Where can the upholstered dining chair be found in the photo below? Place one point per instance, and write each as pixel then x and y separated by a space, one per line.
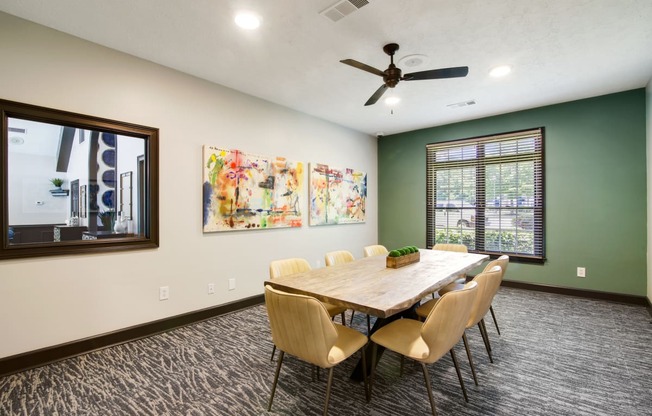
pixel 375 250
pixel 285 267
pixel 503 262
pixel 341 257
pixel 426 342
pixel 338 257
pixel 488 283
pixel 301 326
pixel 458 248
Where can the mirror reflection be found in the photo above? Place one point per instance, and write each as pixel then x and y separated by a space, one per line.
pixel 49 164
pixel 68 185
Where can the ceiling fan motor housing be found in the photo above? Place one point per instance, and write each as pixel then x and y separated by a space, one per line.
pixel 392 76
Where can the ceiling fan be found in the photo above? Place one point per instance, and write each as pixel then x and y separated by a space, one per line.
pixel 392 75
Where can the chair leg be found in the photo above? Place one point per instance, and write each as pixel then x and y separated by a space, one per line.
pixel 374 353
pixel 427 378
pixel 273 352
pixel 351 321
pixel 328 389
pixel 364 375
pixel 493 315
pixel 485 338
pixel 278 370
pixel 368 325
pixel 343 319
pixel 459 374
pixel 484 328
pixel 468 354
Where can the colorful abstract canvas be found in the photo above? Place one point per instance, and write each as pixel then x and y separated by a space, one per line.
pixel 247 192
pixel 337 196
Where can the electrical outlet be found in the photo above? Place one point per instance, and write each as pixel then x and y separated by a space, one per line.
pixel 231 284
pixel 164 293
pixel 318 262
pixel 581 272
pixel 211 288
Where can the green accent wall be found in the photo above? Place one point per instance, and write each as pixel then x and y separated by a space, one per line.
pixel 595 189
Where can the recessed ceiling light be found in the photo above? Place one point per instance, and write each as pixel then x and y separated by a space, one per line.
pixel 392 100
pixel 500 71
pixel 247 20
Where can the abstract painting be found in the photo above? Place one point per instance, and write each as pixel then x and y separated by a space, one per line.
pixel 337 196
pixel 243 191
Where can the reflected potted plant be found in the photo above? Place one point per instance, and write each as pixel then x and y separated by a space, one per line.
pixel 107 218
pixel 57 182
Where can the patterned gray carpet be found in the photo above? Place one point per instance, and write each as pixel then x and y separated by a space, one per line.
pixel 557 355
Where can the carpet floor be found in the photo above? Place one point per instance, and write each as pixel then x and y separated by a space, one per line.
pixel 557 355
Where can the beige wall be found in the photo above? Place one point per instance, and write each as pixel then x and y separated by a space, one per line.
pixel 49 301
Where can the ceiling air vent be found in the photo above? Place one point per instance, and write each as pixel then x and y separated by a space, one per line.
pixel 461 104
pixel 342 8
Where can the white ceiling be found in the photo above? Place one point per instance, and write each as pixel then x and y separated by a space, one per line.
pixel 560 50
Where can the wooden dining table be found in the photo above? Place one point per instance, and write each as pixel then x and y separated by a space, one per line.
pixel 367 285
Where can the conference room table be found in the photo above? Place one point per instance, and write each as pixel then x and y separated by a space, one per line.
pixel 367 285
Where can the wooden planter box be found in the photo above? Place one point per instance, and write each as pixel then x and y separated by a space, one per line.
pixel 396 262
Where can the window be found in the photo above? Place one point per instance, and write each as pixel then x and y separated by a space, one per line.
pixel 487 193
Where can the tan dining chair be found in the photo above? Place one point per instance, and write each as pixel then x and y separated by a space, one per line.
pixel 457 248
pixel 301 326
pixel 426 342
pixel 338 257
pixel 286 267
pixel 503 262
pixel 488 283
pixel 375 250
pixel 341 257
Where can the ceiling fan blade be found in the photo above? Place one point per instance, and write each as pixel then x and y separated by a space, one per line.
pixel 379 93
pixel 455 72
pixel 362 66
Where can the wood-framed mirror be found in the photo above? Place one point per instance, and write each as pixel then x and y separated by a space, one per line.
pixel 46 154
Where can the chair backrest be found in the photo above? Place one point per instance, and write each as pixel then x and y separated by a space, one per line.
pixel 338 257
pixel 502 261
pixel 488 284
pixel 300 326
pixel 375 250
pixel 278 268
pixel 460 248
pixel 447 320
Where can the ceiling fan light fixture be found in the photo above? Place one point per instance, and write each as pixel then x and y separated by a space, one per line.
pixel 391 101
pixel 500 71
pixel 247 20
